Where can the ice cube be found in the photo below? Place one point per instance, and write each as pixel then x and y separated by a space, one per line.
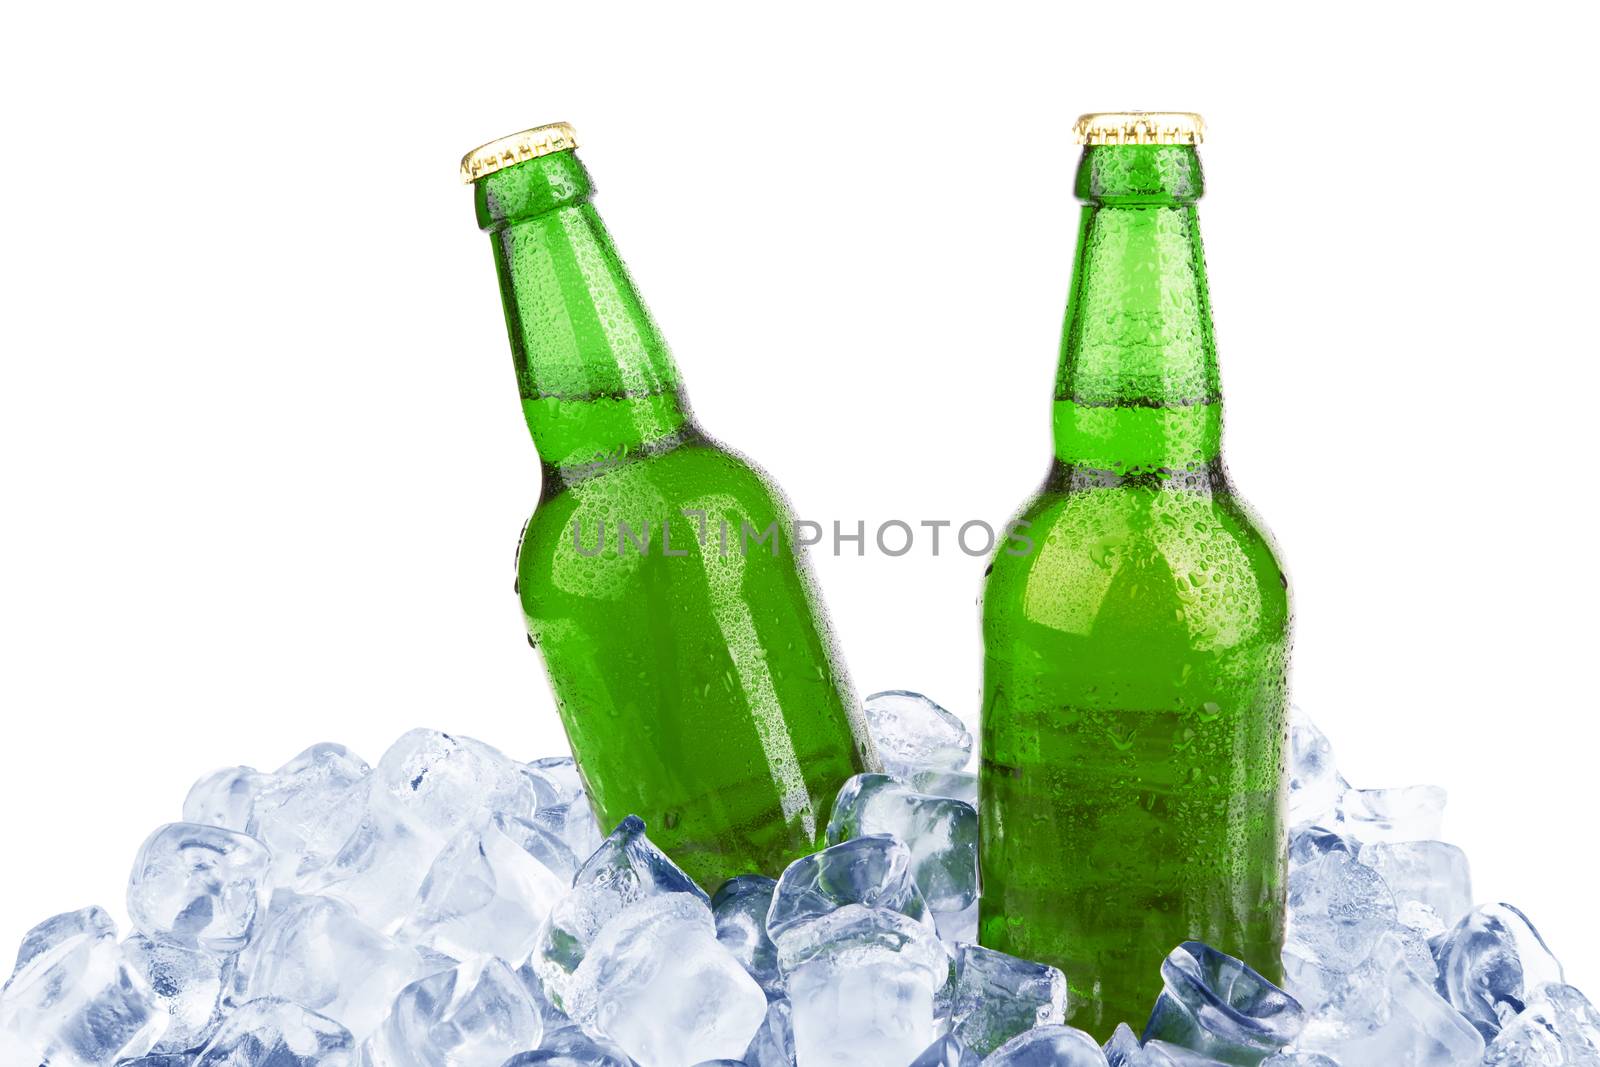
pixel 1124 1050
pixel 913 733
pixel 155 1059
pixel 73 1001
pixel 308 809
pixel 1430 881
pixel 773 1045
pixel 486 895
pixel 187 984
pixel 574 824
pixel 543 845
pixel 997 996
pixel 658 983
pixel 861 981
pixel 427 787
pixel 625 869
pixel 1048 1046
pixel 555 780
pixel 941 833
pixel 1559 1026
pixel 1411 813
pixel 380 869
pixel 1338 909
pixel 947 1051
pixel 1388 1014
pixel 873 870
pixel 1493 963
pixel 553 1017
pixel 1299 1059
pixel 1215 1005
pixel 199 885
pixel 1315 784
pixel 224 798
pixel 958 926
pixel 475 1015
pixel 316 952
pixel 741 907
pixel 1308 843
pixel 277 1033
pixel 441 783
pixel 957 785
pixel 1166 1054
pixel 571 1048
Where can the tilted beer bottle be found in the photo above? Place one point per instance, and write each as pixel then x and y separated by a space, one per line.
pixel 1135 662
pixel 688 653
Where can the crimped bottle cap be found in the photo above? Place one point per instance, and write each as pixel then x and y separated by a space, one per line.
pixel 517 148
pixel 1139 127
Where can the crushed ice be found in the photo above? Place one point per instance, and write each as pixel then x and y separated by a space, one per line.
pixel 451 907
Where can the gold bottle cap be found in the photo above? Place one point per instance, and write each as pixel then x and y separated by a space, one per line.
pixel 517 148
pixel 1139 127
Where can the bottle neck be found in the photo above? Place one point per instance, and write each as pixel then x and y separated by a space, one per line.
pixel 1137 393
pixel 596 378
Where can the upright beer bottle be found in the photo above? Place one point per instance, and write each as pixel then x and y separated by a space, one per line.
pixel 1135 661
pixel 688 653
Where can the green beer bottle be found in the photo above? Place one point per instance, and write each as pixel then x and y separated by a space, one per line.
pixel 1135 661
pixel 690 660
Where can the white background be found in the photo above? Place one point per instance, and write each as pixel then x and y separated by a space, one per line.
pixel 264 463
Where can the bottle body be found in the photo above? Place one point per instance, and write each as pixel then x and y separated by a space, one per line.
pixel 694 674
pixel 1134 722
pixel 684 641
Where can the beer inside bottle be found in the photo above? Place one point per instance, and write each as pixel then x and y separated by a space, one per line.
pixel 686 647
pixel 1135 661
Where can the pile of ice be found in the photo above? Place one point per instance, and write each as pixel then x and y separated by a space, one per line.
pixel 454 908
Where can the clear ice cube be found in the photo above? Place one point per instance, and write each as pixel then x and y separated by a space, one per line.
pixel 1048 1046
pixel 658 983
pixel 947 1051
pixel 571 1048
pixel 277 1033
pixel 997 996
pixel 773 1045
pixel 861 981
pixel 1338 909
pixel 1388 1014
pixel 1216 1005
pixel 199 885
pixel 187 984
pixel 1493 963
pixel 308 808
pixel 485 894
pixel 913 733
pixel 1431 883
pixel 316 952
pixel 625 869
pixel 1409 813
pixel 477 1014
pixel 441 783
pixel 1315 785
pixel 1559 1026
pixel 224 798
pixel 574 824
pixel 740 908
pixel 73 1001
pixel 873 870
pixel 941 833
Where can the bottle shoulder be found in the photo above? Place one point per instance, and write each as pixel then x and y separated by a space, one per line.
pixel 1109 555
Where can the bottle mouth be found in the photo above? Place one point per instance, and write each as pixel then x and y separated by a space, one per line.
pixel 517 148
